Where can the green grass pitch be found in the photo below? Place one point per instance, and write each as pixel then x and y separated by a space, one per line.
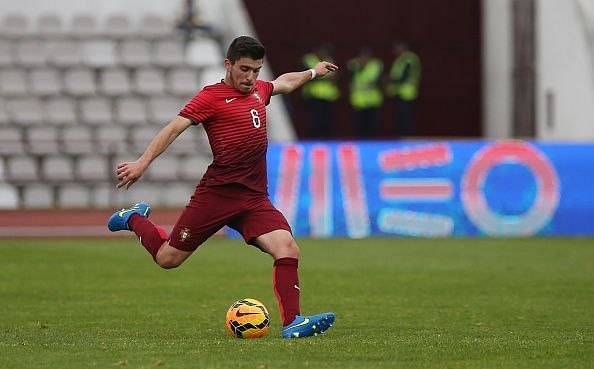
pixel 400 303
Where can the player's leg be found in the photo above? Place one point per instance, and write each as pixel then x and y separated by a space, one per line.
pixel 266 227
pixel 281 245
pixel 135 219
pixel 153 237
pixel 169 257
pixel 192 228
pixel 285 278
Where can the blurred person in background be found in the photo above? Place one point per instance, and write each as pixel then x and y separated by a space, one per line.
pixel 403 86
pixel 321 94
pixel 190 23
pixel 365 93
pixel 234 189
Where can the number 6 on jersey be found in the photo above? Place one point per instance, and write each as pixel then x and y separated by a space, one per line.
pixel 255 118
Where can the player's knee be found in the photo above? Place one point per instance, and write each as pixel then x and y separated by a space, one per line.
pixel 168 262
pixel 294 249
pixel 289 250
pixel 169 258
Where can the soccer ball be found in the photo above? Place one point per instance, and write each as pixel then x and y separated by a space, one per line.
pixel 247 318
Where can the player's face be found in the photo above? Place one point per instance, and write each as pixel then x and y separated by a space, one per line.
pixel 243 74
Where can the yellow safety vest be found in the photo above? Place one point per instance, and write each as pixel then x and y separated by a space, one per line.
pixel 322 88
pixel 365 91
pixel 407 89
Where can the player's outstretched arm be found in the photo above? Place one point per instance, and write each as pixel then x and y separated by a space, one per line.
pixel 130 172
pixel 289 82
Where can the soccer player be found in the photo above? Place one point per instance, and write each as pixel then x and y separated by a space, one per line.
pixel 233 191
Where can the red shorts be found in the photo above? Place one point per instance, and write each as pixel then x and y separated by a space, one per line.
pixel 210 208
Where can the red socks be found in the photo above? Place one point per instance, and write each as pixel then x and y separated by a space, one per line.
pixel 151 236
pixel 286 287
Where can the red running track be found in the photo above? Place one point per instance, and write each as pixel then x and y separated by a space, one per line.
pixel 70 223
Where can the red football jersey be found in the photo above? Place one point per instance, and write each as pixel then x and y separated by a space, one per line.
pixel 236 128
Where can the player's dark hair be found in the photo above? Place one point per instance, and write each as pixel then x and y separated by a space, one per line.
pixel 245 46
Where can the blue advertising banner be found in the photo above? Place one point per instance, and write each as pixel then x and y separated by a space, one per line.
pixel 433 188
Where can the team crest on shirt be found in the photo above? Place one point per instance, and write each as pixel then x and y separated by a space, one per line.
pixel 184 234
pixel 257 97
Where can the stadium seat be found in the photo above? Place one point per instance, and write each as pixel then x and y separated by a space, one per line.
pixel 92 168
pixel 143 191
pixel 45 82
pixel 2 171
pixel 149 81
pixel 153 26
pixel 134 53
pixel 73 196
pixel 162 110
pixel 141 136
pixel 130 111
pixel 2 175
pixel 22 168
pixel 105 195
pixel 3 113
pixel 11 140
pixel 211 75
pixel 50 25
pixel 164 168
pixel 57 168
pixel 183 82
pixel 38 196
pixel 193 167
pixel 43 140
pixel 60 111
pixel 184 143
pixel 6 53
pixel 202 143
pixel 77 140
pixel 168 53
pixel 121 158
pixel 31 53
pixel 116 26
pixel 64 53
pixel 13 82
pixel 25 111
pixel 176 195
pixel 114 82
pixel 14 26
pixel 111 139
pixel 203 53
pixel 9 196
pixel 96 111
pixel 83 25
pixel 79 82
pixel 98 53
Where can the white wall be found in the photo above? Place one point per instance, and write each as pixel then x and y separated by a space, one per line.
pixel 564 69
pixel 497 69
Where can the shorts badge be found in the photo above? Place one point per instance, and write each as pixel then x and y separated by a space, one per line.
pixel 184 234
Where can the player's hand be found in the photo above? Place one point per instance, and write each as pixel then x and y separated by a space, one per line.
pixel 323 68
pixel 128 173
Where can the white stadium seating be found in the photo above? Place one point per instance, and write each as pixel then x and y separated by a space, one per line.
pixel 80 93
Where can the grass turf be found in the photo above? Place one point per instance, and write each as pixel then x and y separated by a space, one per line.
pixel 400 303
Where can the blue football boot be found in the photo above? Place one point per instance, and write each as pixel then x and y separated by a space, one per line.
pixel 119 220
pixel 306 326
